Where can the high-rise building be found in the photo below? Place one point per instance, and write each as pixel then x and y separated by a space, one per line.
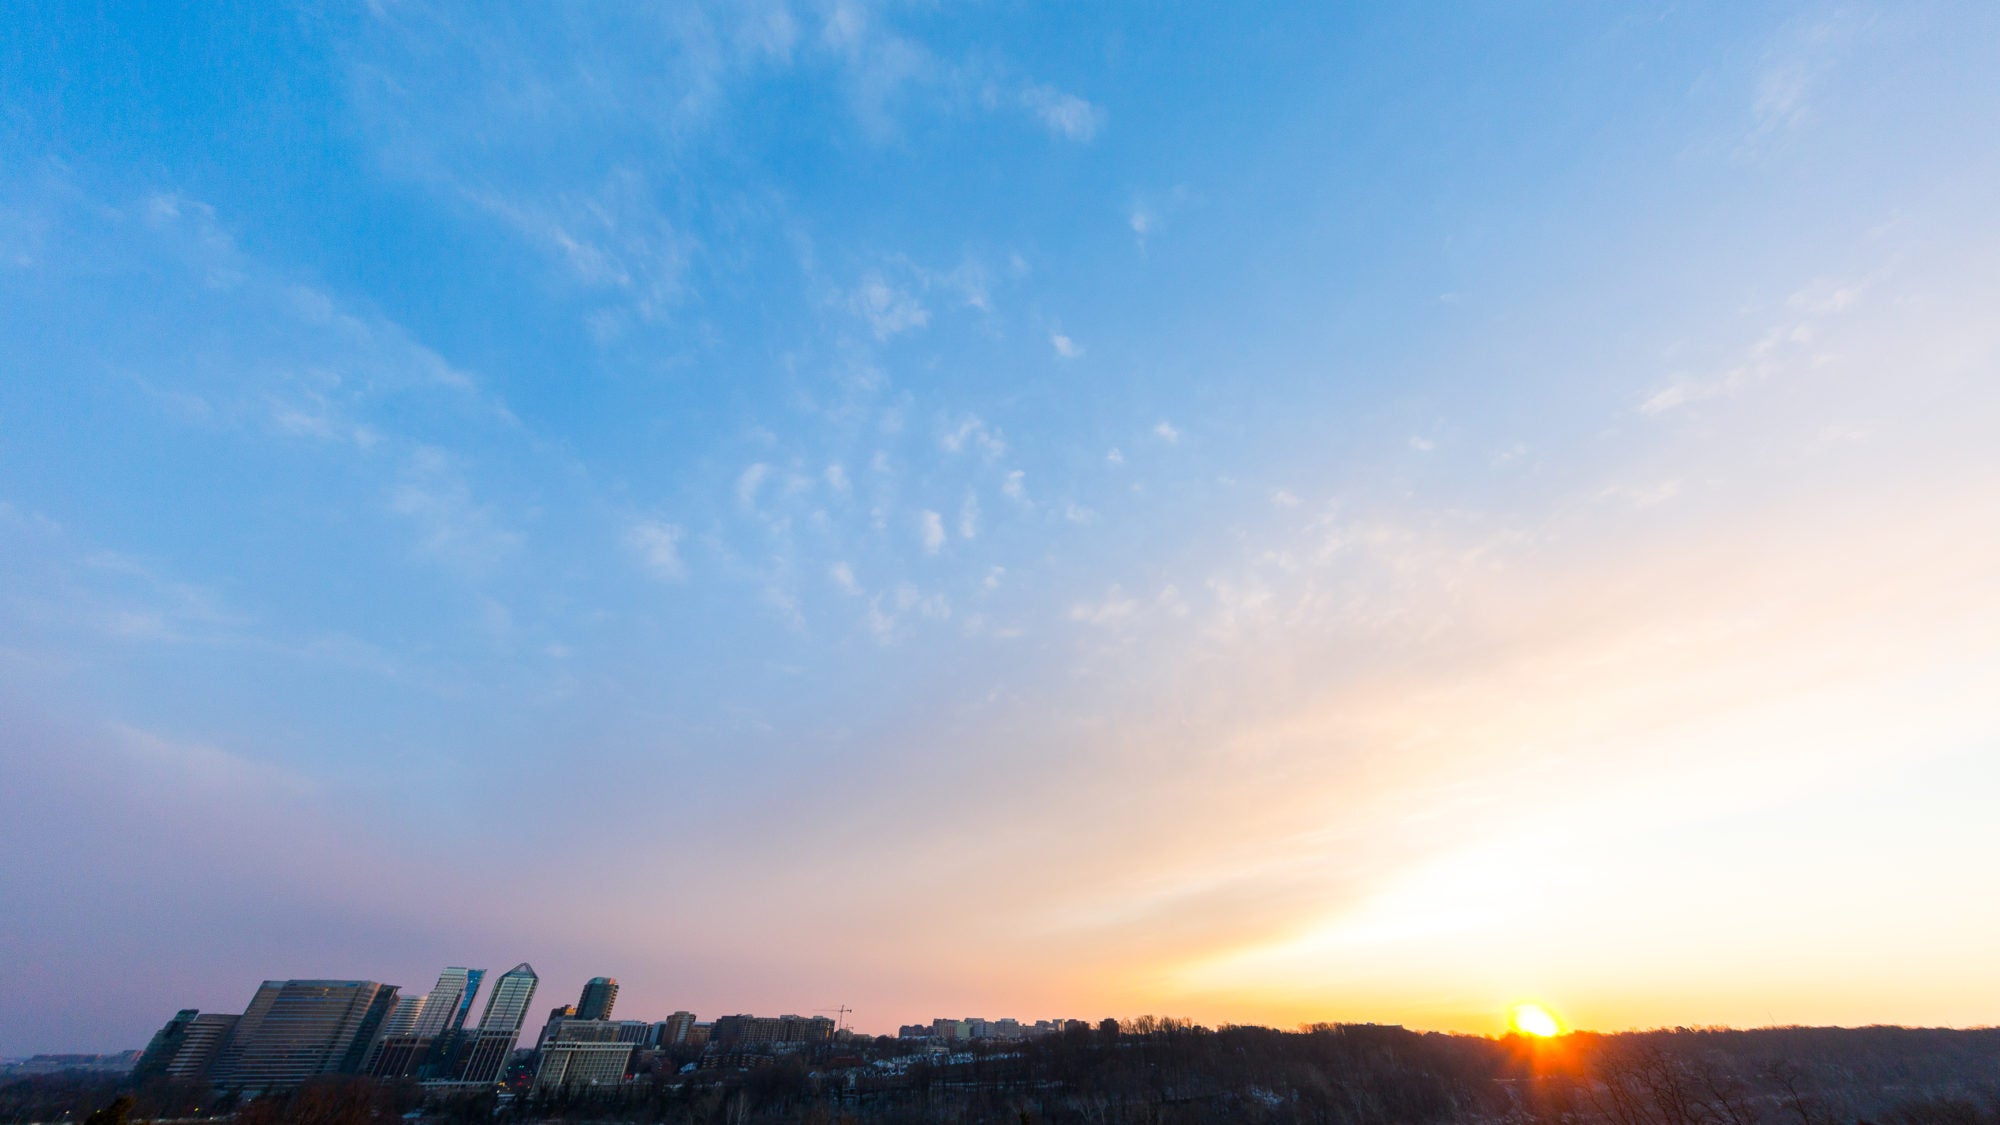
pixel 391 1053
pixel 572 1030
pixel 483 1056
pixel 296 1029
pixel 421 1037
pixel 507 1005
pixel 673 1031
pixel 450 1000
pixel 207 1037
pixel 740 1031
pixel 165 1044
pixel 403 1017
pixel 582 1063
pixel 555 1020
pixel 187 1047
pixel 598 996
pixel 399 1056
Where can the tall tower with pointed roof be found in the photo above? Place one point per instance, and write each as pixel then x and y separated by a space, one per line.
pixel 484 1058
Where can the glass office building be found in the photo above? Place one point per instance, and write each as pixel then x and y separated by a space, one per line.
pixel 187 1047
pixel 296 1029
pixel 598 996
pixel 449 1002
pixel 484 1054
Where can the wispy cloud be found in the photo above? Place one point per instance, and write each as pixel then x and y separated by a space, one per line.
pixel 131 599
pixel 311 415
pixel 1114 609
pixel 930 528
pixel 1015 487
pixel 843 579
pixel 1795 69
pixel 888 310
pixel 749 483
pixel 1064 346
pixel 887 611
pixel 974 433
pixel 261 353
pixel 1791 347
pixel 658 546
pixel 1824 296
pixel 199 766
pixel 1065 115
pixel 552 143
pixel 313 368
pixel 452 526
pixel 1643 496
pixel 1149 213
pixel 613 235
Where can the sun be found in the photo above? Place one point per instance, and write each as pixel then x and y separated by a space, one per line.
pixel 1535 1020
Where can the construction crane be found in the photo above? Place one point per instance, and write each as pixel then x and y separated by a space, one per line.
pixel 841 1023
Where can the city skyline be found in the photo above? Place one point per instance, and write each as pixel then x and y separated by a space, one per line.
pixel 325 1034
pixel 1319 513
pixel 456 989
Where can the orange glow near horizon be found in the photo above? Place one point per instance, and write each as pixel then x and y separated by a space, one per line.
pixel 1534 1020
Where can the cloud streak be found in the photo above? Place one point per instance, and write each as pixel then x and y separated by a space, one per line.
pixel 657 544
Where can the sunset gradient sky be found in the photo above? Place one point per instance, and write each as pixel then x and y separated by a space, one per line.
pixel 1257 514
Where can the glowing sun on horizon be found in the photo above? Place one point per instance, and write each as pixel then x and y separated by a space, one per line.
pixel 1535 1020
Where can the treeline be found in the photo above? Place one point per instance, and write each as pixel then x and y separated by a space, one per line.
pixel 1168 1072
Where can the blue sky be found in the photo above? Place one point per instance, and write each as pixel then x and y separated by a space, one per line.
pixel 1080 511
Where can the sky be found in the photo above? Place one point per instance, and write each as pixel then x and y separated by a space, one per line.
pixel 1264 515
